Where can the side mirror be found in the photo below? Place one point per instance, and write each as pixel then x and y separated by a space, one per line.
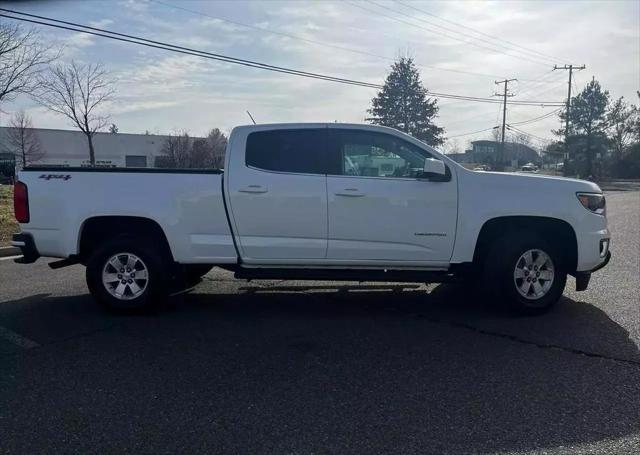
pixel 434 170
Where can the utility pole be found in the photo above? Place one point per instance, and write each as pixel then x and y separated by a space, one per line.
pixel 505 94
pixel 567 120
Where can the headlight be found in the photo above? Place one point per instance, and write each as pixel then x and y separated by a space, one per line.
pixel 593 202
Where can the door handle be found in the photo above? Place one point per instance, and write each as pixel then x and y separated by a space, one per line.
pixel 350 192
pixel 256 189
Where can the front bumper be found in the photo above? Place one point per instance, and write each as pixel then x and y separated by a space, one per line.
pixel 582 278
pixel 27 246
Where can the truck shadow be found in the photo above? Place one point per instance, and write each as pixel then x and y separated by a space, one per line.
pixel 394 366
pixel 506 383
pixel 578 325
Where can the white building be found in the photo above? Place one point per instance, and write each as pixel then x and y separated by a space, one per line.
pixel 70 148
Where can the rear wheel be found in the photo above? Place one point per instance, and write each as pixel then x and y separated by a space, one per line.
pixel 127 274
pixel 525 273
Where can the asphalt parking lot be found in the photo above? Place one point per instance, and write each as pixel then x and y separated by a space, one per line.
pixel 308 367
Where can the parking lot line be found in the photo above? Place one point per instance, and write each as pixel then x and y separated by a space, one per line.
pixel 17 339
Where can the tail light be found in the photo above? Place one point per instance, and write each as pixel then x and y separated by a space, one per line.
pixel 21 202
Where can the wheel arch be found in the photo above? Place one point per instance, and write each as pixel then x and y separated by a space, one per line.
pixel 96 230
pixel 559 232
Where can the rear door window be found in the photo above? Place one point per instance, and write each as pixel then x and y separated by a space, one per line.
pixel 300 151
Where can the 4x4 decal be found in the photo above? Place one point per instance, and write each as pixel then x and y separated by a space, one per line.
pixel 55 176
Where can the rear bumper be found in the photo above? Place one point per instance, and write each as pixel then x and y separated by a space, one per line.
pixel 27 247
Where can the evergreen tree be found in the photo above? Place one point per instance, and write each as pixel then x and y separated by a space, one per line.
pixel 588 122
pixel 403 104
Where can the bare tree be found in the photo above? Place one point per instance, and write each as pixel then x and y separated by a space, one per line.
pixel 217 142
pixel 182 151
pixel 200 154
pixel 22 141
pixel 496 134
pixel 176 152
pixel 453 146
pixel 620 117
pixel 23 58
pixel 519 138
pixel 78 92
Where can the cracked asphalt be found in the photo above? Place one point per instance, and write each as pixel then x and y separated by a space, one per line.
pixel 323 367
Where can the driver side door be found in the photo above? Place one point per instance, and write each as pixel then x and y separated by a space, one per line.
pixel 380 210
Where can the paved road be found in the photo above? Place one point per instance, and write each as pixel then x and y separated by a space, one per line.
pixel 298 367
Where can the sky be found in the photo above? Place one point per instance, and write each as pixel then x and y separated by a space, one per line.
pixel 459 47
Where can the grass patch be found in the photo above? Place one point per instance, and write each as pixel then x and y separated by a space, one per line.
pixel 8 223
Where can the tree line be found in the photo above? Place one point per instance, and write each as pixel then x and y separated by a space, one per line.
pixel 182 151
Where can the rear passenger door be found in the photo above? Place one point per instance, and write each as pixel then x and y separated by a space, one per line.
pixel 278 194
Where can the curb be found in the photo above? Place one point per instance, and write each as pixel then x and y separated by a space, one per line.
pixel 9 251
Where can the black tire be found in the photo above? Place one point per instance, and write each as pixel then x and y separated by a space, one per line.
pixel 499 273
pixel 153 290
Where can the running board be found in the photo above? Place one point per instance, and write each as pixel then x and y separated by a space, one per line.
pixel 71 260
pixel 398 276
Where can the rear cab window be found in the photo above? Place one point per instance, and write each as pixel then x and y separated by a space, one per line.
pixel 300 151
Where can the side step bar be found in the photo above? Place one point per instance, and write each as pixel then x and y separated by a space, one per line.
pixel 399 276
pixel 71 260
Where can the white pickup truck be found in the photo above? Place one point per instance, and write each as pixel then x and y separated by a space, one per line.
pixel 316 201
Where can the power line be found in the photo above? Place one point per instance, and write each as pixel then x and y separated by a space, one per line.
pixel 316 42
pixel 548 89
pixel 538 93
pixel 537 119
pixel 180 49
pixel 328 45
pixel 234 60
pixel 479 32
pixel 471 132
pixel 487 113
pixel 550 77
pixel 494 101
pixel 500 44
pixel 473 43
pixel 513 128
pixel 473 39
pixel 274 32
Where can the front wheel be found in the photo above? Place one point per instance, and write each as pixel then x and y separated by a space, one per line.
pixel 525 273
pixel 127 274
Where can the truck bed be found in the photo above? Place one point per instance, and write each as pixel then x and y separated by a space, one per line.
pixel 187 205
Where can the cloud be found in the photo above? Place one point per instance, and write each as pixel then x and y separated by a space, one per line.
pixel 124 107
pixel 134 5
pixel 79 40
pixel 102 23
